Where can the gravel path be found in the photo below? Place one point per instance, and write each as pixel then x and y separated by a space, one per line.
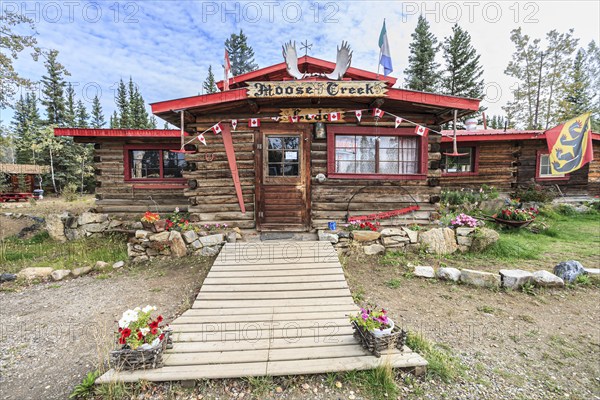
pixel 52 334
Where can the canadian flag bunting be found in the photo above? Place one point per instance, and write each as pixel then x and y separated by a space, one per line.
pixel 377 112
pixel 294 119
pixel 253 123
pixel 201 139
pixel 216 128
pixel 234 124
pixel 421 130
pixel 334 116
pixel 358 114
pixel 398 121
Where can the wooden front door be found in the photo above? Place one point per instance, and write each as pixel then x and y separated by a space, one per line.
pixel 283 178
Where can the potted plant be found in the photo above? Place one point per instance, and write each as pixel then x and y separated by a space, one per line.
pixel 515 217
pixel 152 222
pixel 141 340
pixel 376 331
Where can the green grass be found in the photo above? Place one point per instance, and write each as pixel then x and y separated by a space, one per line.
pixel 86 387
pixel 393 283
pixel 378 383
pixel 442 364
pixel 41 251
pixel 261 385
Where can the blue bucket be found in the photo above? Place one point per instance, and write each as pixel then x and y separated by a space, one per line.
pixel 332 226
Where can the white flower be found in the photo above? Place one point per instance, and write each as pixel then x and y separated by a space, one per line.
pixel 145 331
pixel 176 209
pixel 137 309
pixel 148 309
pixel 123 323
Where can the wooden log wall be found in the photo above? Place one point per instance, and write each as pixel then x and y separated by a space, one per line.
pixel 117 197
pixel 330 198
pixel 497 166
pixel 578 180
pixel 214 200
pixel 594 171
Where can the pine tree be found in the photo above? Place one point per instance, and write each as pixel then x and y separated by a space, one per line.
pixel 82 116
pixel 97 116
pixel 137 107
pixel 152 122
pixel 122 100
pixel 25 123
pixel 210 85
pixel 463 76
pixel 53 84
pixel 241 55
pixel 593 73
pixel 114 120
pixel 70 106
pixel 422 72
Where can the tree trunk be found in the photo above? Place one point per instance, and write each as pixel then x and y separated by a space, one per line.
pixel 539 91
pixel 52 170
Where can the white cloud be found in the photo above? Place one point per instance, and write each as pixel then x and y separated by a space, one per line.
pixel 167 46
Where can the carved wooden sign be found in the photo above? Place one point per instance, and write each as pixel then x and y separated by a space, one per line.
pixel 316 89
pixel 310 115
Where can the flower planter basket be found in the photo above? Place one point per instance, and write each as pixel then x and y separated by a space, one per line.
pixel 513 224
pixel 377 345
pixel 155 227
pixel 128 359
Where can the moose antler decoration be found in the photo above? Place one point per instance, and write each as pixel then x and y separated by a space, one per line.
pixel 342 63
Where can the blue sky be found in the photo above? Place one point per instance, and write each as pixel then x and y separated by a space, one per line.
pixel 167 46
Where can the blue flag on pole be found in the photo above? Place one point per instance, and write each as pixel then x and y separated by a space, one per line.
pixel 384 50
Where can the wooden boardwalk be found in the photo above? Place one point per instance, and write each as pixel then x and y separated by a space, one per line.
pixel 269 308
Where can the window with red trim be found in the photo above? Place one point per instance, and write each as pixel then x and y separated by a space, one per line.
pixel 543 171
pixel 375 153
pixel 464 164
pixel 153 163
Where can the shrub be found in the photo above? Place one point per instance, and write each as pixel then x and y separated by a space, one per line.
pixel 69 192
pixel 536 193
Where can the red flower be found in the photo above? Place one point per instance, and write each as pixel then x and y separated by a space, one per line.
pixel 154 331
pixel 139 335
pixel 161 337
pixel 125 333
pixel 159 319
pixel 153 324
pixel 122 340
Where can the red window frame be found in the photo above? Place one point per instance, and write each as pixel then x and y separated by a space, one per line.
pixel 447 148
pixel 539 178
pixel 162 147
pixel 333 130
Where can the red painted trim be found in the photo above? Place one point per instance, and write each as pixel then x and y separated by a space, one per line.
pixel 475 171
pixel 539 178
pixel 144 146
pixel 230 152
pixel 116 132
pixel 303 62
pixel 461 103
pixel 333 130
pixel 496 135
pixel 198 101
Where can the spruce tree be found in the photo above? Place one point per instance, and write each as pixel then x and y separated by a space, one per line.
pixel 463 75
pixel 593 73
pixel 97 115
pixel 241 55
pixel 82 116
pixel 25 124
pixel 137 107
pixel 152 123
pixel 123 119
pixel 578 97
pixel 422 72
pixel 53 84
pixel 210 85
pixel 70 106
pixel 114 120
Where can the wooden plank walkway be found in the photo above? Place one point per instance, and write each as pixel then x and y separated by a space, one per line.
pixel 269 308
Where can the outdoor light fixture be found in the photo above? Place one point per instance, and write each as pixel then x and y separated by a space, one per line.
pixel 320 131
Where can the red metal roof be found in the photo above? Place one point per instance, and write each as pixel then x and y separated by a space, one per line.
pixel 306 64
pixel 117 132
pixel 498 135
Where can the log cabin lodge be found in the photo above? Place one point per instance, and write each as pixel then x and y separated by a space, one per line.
pixel 293 155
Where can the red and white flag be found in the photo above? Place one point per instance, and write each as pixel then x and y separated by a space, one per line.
pixel 398 121
pixel 377 112
pixel 234 124
pixel 294 119
pixel 253 123
pixel 201 139
pixel 216 128
pixel 335 116
pixel 421 130
pixel 227 67
pixel 358 114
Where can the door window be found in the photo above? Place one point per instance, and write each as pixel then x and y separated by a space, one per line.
pixel 283 155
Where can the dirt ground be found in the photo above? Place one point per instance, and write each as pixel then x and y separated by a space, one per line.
pixel 513 344
pixel 11 226
pixel 49 205
pixel 53 334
